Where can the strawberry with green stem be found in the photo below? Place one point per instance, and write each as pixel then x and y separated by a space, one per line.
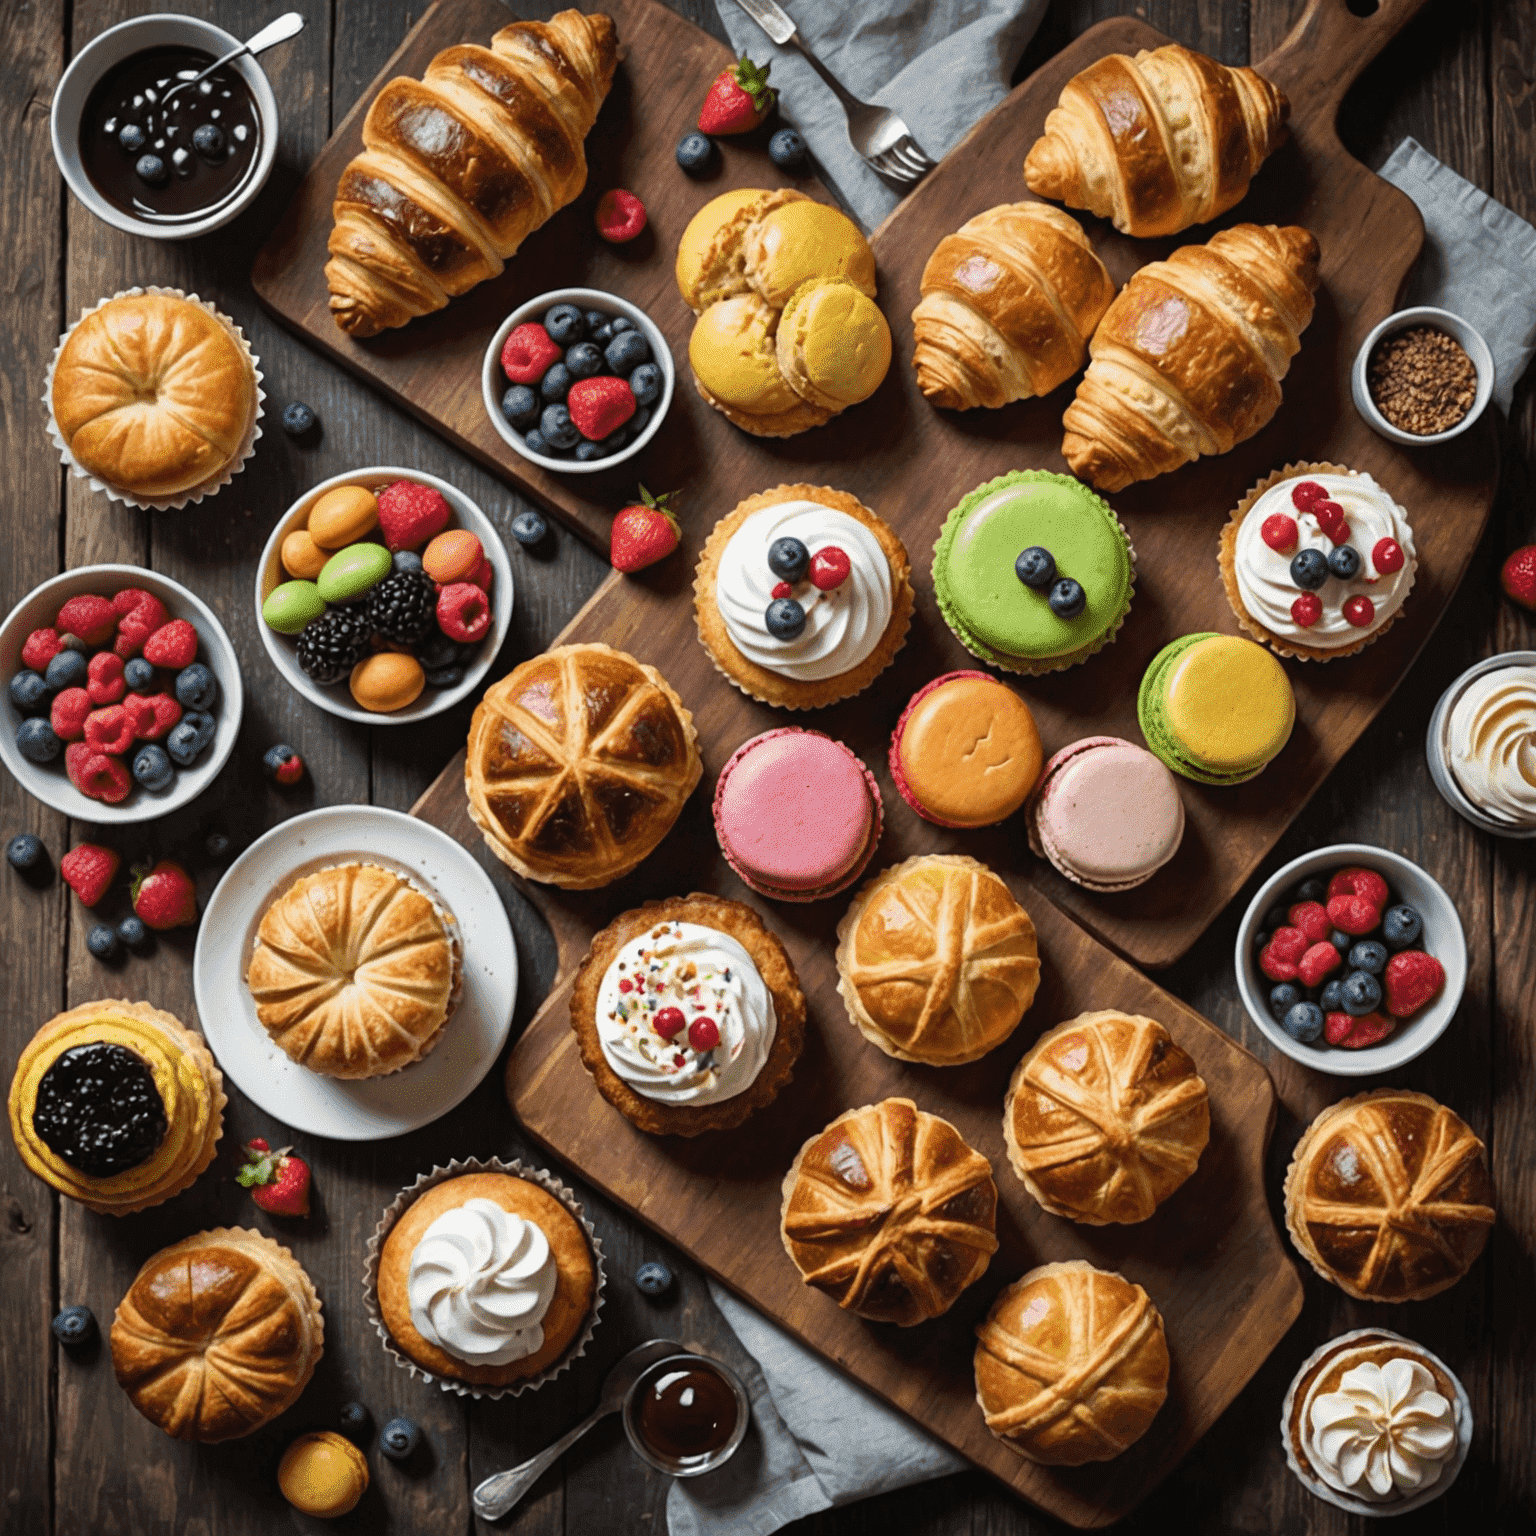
pixel 643 533
pixel 739 98
pixel 278 1181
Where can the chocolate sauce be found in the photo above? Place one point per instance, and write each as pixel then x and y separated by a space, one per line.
pixel 684 1412
pixel 98 1108
pixel 169 161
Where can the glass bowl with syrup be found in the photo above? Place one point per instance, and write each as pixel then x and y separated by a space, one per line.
pixel 686 1415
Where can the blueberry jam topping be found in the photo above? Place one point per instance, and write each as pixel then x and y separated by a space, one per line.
pixel 98 1109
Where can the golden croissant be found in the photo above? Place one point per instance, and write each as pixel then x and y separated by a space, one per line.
pixel 1009 302
pixel 460 167
pixel 1188 359
pixel 1157 142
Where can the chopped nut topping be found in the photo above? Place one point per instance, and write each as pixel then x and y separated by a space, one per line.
pixel 1422 380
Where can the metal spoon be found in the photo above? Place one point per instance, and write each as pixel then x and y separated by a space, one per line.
pixel 290 24
pixel 499 1492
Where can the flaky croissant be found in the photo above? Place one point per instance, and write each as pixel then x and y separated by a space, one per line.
pixel 1188 359
pixel 1009 302
pixel 1157 142
pixel 460 167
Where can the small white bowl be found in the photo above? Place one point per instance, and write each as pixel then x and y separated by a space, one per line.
pixel 1435 745
pixel 1442 937
pixel 338 698
pixel 493 382
pixel 48 782
pixel 107 50
pixel 1472 344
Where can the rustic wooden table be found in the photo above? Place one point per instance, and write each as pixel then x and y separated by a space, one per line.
pixel 76 1459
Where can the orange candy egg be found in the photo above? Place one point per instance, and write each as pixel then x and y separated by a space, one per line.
pixel 452 556
pixel 343 516
pixel 387 681
pixel 302 558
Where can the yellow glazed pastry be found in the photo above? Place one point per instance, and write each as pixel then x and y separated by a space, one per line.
pixel 323 1474
pixel 736 368
pixel 799 240
pixel 833 345
pixel 711 256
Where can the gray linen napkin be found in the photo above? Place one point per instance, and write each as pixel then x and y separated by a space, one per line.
pixel 942 64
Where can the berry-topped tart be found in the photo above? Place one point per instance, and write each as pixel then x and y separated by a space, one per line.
pixel 1317 561
pixel 688 1014
pixel 803 596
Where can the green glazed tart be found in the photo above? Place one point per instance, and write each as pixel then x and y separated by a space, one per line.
pixel 992 613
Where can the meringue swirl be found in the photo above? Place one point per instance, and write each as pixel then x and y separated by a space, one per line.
pixel 842 627
pixel 1385 1434
pixel 480 1282
pixel 702 973
pixel 1491 744
pixel 1264 574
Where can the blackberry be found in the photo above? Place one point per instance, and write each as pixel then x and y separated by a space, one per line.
pixel 403 607
pixel 330 646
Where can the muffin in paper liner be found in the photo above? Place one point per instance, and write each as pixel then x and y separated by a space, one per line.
pixel 214 483
pixel 1226 560
pixel 440 1175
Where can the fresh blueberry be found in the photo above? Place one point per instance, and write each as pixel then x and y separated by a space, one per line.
pixel 1304 1022
pixel 24 852
pixel 1401 926
pixel 1276 917
pixel 1344 561
pixel 1036 568
pixel 555 385
pixel 196 687
pixel 588 452
pixel 619 323
pixel 596 320
pixel 209 141
pixel 626 352
pixel 131 138
pixel 281 764
pixel 437 652
pixel 566 325
pixel 29 692
pixel 520 405
pixel 102 943
pixel 1283 996
pixel 1067 598
pixel 217 845
pixel 1260 939
pixel 638 422
pixel 785 618
pixel 1332 998
pixel 399 1439
pixel 299 420
pixel 152 768
pixel 1360 993
pixel 67 670
pixel 603 333
pixel 354 1421
pixel 654 1279
pixel 645 383
pixel 405 560
pixel 138 674
pixel 36 742
pixel 188 738
pixel 152 170
pixel 695 152
pixel 787 150
pixel 445 677
pixel 529 528
pixel 556 425
pixel 534 443
pixel 132 933
pixel 1370 956
pixel 1312 890
pixel 1340 940
pixel 615 440
pixel 789 559
pixel 74 1326
pixel 585 360
pixel 1309 569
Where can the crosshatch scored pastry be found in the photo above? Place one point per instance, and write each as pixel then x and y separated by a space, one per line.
pixel 356 971
pixel 117 1105
pixel 217 1335
pixel 1105 1118
pixel 890 1213
pixel 936 960
pixel 1071 1364
pixel 688 1014
pixel 459 168
pixel 579 761
pixel 1388 1196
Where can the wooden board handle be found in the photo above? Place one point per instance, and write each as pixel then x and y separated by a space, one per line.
pixel 1327 51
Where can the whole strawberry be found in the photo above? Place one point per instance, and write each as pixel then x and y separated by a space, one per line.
pixel 738 99
pixel 1518 577
pixel 643 533
pixel 278 1181
pixel 163 895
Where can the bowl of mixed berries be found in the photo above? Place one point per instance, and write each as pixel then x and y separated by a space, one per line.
pixel 123 694
pixel 1351 960
pixel 383 595
pixel 577 380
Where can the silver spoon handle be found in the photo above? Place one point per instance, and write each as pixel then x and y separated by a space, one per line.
pixel 499 1492
pixel 289 24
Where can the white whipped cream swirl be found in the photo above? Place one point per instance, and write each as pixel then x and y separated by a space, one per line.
pixel 1386 1433
pixel 842 627
pixel 480 1283
pixel 702 973
pixel 1491 744
pixel 1264 574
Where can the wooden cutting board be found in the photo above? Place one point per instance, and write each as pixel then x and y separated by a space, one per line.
pixel 912 463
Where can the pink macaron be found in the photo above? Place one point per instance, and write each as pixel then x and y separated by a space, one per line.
pixel 1106 813
pixel 797 814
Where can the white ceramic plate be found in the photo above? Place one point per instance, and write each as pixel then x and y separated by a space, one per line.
pixel 373 1108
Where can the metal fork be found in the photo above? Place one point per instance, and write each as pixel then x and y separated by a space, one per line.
pixel 876 133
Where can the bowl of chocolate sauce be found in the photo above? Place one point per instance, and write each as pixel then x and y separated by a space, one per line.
pixel 686 1415
pixel 148 151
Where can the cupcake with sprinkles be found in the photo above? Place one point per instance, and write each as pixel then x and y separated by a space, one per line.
pixel 688 1014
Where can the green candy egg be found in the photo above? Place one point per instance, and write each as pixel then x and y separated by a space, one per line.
pixel 292 605
pixel 352 571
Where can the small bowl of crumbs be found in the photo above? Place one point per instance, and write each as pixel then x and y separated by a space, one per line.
pixel 1423 376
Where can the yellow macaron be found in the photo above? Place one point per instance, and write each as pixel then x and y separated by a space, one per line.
pixel 833 344
pixel 322 1474
pixel 712 252
pixel 794 242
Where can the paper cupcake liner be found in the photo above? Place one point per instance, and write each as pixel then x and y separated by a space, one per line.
pixel 208 487
pixel 396 1209
pixel 1226 561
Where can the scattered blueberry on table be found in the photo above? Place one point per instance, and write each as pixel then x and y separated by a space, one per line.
pixel 74 1326
pixel 400 1439
pixel 653 1279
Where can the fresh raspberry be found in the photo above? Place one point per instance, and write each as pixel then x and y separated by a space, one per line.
pixel 1318 962
pixel 484 575
pixel 668 1022
pixel 600 406
pixel 1307 609
pixel 1306 494
pixel 173 645
pixel 1387 556
pixel 140 613
pixel 151 715
pixel 829 568
pixel 1354 1034
pixel 104 678
pixel 1411 979
pixel 463 614
pixel 1357 880
pixel 67 716
pixel 89 869
pixel 95 774
pixel 528 354
pixel 703 1033
pixel 620 216
pixel 410 514
pixel 1312 918
pixel 109 730
pixel 781 589
pixel 41 646
pixel 1518 576
pixel 1359 610
pixel 1278 958
pixel 1355 915
pixel 1279 531
pixel 88 617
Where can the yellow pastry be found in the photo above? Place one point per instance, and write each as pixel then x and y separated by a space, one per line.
pixel 796 241
pixel 736 369
pixel 323 1474
pixel 711 256
pixel 833 344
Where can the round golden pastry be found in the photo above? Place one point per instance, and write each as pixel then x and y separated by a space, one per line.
pixel 833 345
pixel 795 240
pixel 890 1212
pixel 578 764
pixel 936 960
pixel 217 1335
pixel 712 253
pixel 342 516
pixel 153 394
pixel 569 1307
pixel 1071 1364
pixel 387 681
pixel 323 1474
pixel 355 971
pixel 189 1083
pixel 736 369
pixel 1388 1196
pixel 1105 1118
